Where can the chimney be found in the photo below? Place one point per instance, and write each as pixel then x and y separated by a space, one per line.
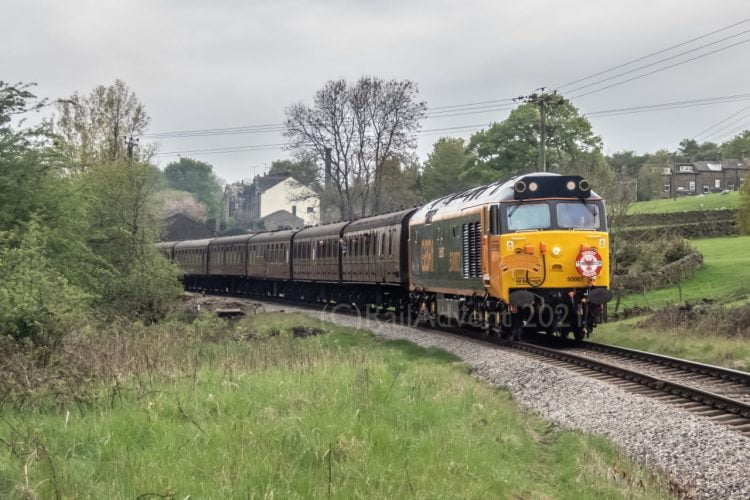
pixel 327 180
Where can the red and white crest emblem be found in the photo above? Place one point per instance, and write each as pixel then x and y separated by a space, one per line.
pixel 589 263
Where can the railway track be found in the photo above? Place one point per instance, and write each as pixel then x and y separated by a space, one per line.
pixel 720 394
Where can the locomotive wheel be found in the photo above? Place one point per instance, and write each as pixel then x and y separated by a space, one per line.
pixel 579 334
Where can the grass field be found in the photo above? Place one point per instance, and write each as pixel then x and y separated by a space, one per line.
pixel 725 275
pixel 339 415
pixel 708 347
pixel 687 203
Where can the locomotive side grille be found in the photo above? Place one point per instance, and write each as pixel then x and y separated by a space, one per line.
pixel 476 250
pixel 471 240
pixel 465 249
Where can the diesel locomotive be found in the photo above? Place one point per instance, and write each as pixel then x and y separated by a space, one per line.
pixel 530 253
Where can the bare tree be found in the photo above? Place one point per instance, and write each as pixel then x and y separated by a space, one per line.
pixel 363 125
pixel 95 127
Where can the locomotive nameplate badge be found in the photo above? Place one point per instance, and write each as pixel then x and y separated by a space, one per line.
pixel 589 263
pixel 520 261
pixel 441 252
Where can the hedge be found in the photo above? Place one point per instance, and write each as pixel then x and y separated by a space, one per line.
pixel 671 273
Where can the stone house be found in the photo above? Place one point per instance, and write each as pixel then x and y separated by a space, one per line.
pixel 703 177
pixel 247 204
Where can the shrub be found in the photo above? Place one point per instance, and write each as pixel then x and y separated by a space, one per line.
pixel 743 214
pixel 146 290
pixel 37 303
pixel 675 248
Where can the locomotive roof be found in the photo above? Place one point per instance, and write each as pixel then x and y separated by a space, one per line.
pixel 474 197
pixel 380 220
pixel 166 244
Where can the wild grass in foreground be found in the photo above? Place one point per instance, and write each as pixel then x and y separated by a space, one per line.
pixel 209 410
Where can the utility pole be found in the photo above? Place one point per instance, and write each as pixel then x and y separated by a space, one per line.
pixel 130 144
pixel 544 100
pixel 542 136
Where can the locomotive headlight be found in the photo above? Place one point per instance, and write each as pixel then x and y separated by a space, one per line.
pixel 556 251
pixel 570 185
pixel 533 186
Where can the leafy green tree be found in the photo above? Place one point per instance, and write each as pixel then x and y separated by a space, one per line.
pixel 690 150
pixel 443 167
pixel 627 162
pixel 124 222
pixel 651 175
pixel 511 147
pixel 737 147
pixel 197 177
pixel 743 214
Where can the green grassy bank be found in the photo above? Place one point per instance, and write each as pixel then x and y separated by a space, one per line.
pixel 725 275
pixel 687 203
pixel 208 411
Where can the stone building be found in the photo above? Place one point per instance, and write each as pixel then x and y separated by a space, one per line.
pixel 703 177
pixel 180 227
pixel 248 203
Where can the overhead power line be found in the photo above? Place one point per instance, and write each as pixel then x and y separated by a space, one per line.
pixel 642 58
pixel 658 62
pixel 733 132
pixel 720 122
pixel 661 69
pixel 720 132
pixel 707 101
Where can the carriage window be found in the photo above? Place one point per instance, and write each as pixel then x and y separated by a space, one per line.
pixel 526 217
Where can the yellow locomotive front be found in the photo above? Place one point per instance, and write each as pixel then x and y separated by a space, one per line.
pixel 546 255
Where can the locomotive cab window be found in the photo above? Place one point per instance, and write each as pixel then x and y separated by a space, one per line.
pixel 578 216
pixel 528 217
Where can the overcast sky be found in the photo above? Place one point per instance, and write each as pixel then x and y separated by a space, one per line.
pixel 232 63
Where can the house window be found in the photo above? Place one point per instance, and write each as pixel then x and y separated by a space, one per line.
pixel 666 189
pixel 692 186
pixel 717 183
pixel 686 168
pixel 310 210
pixel 730 186
pixel 706 188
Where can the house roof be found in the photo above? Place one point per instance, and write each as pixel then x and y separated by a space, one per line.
pixel 266 182
pixel 718 166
